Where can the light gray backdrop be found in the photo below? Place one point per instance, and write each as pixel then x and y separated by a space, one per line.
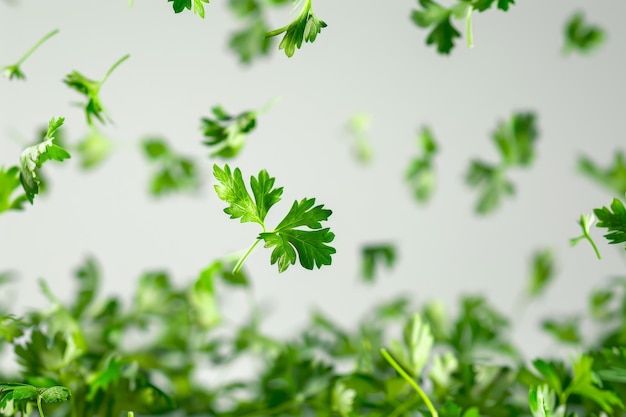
pixel 370 58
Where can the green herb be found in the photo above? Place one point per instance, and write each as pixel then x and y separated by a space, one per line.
pixel 304 28
pixel 14 71
pixel 35 156
pixel 374 255
pixel 358 128
pixel 93 149
pixel 9 185
pixel 198 6
pixel 515 142
pixel 17 396
pixel 226 133
pixel 580 36
pixel 421 172
pixel 288 238
pixel 443 32
pixel 250 42
pixel 614 221
pixel 613 177
pixel 565 331
pixel 542 272
pixel 585 222
pixel 91 90
pixel 175 173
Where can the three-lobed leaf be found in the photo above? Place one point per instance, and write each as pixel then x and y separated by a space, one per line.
pixel 613 219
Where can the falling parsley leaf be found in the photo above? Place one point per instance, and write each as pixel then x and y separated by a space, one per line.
pixel 198 6
pixel 9 185
pixel 93 149
pixel 585 222
pixel 582 37
pixel 226 133
pixel 33 157
pixel 565 331
pixel 515 140
pixel 250 42
pixel 358 129
pixel 612 177
pixel 443 32
pixel 174 173
pixel 614 221
pixel 542 272
pixel 374 255
pixel 304 28
pixel 14 71
pixel 300 232
pixel 421 173
pixel 91 90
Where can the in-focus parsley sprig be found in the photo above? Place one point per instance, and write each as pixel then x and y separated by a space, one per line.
pixel 14 71
pixel 91 90
pixel 304 28
pixel 299 236
pixel 443 32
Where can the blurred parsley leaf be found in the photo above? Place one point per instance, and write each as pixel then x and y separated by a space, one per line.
pixel 586 384
pixel 612 177
pixel 14 71
pixel 175 173
pixel 33 157
pixel 304 28
pixel 421 174
pixel 93 148
pixel 91 90
pixel 515 140
pixel 288 237
pixel 565 330
pixel 358 128
pixel 542 272
pixel 443 32
pixel 582 37
pixel 250 42
pixel 9 185
pixel 372 256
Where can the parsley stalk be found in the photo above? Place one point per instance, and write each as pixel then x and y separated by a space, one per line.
pixel 468 27
pixel 11 71
pixel 113 67
pixel 410 380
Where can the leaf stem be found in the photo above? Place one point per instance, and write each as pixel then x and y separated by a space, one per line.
pixel 410 380
pixel 113 67
pixel 39 406
pixel 245 255
pixel 468 27
pixel 593 244
pixel 35 46
pixel 306 8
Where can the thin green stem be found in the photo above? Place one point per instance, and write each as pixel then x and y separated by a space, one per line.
pixel 39 406
pixel 468 27
pixel 35 46
pixel 245 255
pixel 402 408
pixel 410 380
pixel 593 244
pixel 117 64
pixel 306 8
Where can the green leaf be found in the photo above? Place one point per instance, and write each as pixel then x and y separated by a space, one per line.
pixel 443 32
pixel 358 128
pixel 203 299
pixel 55 394
pixel 614 221
pixel 197 5
pixel 14 71
pixel 542 272
pixel 565 331
pixel 419 342
pixel 374 255
pixel 342 400
pixel 88 276
pixel 516 139
pixel 310 245
pixel 33 157
pixel 250 42
pixel 586 384
pixel 493 185
pixel 304 28
pixel 421 172
pixel 91 90
pixel 582 37
pixel 227 134
pixel 93 149
pixel 9 185
pixel 612 177
pixel 174 173
pixel 542 402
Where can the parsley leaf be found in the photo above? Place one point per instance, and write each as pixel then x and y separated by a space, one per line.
pixel 585 222
pixel 287 238
pixel 542 272
pixel 175 173
pixel 250 41
pixel 585 383
pixel 443 32
pixel 515 141
pixel 198 6
pixel 580 36
pixel 372 255
pixel 542 402
pixel 304 28
pixel 420 174
pixel 227 133
pixel 614 221
pixel 93 149
pixel 9 184
pixel 14 71
pixel 565 331
pixel 358 128
pixel 91 90
pixel 612 177
pixel 34 156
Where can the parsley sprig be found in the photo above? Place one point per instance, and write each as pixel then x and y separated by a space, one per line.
pixel 14 71
pixel 300 232
pixel 196 5
pixel 420 174
pixel 581 36
pixel 91 90
pixel 304 28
